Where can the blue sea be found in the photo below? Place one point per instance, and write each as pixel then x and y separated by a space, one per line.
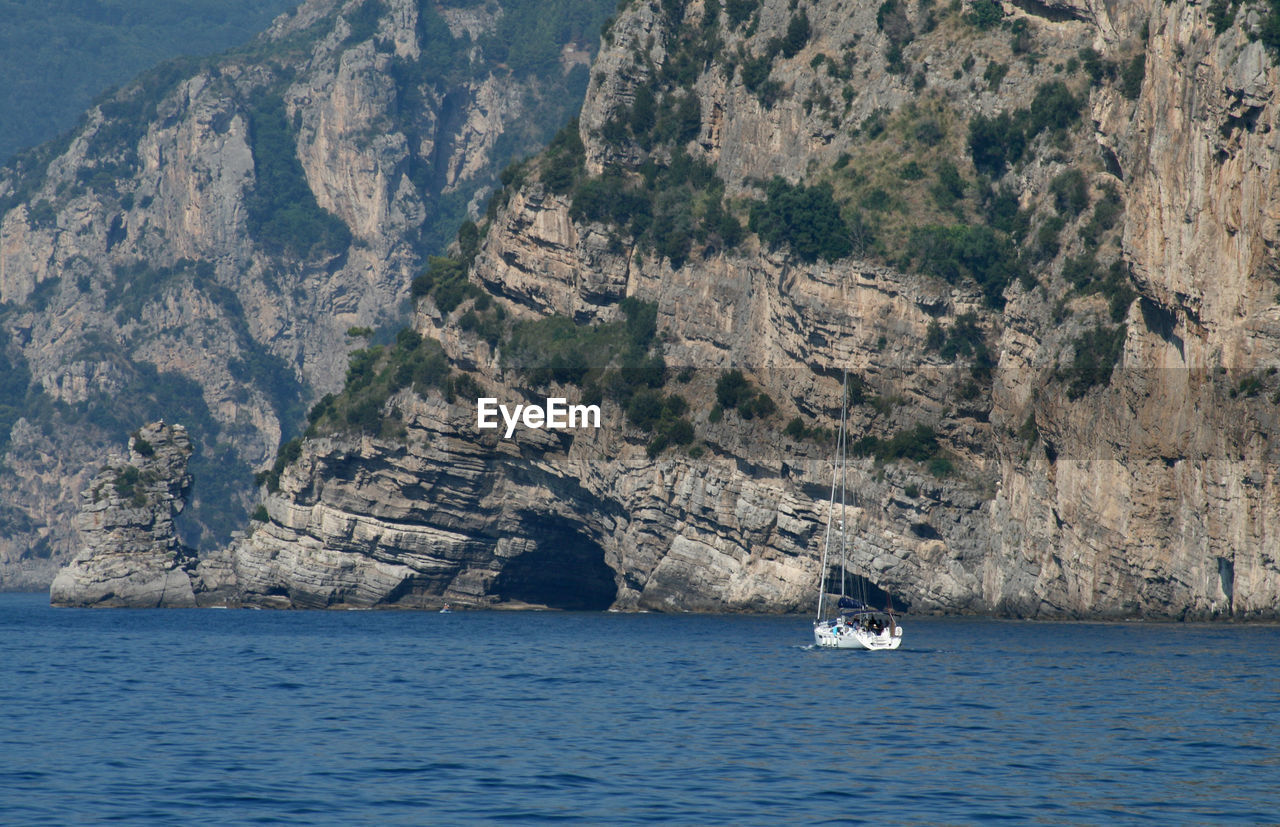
pixel 212 717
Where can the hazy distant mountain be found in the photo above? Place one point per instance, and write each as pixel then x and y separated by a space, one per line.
pixel 57 56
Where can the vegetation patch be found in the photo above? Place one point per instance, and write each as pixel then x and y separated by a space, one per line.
pixel 892 19
pixel 740 11
pixel 965 339
pixel 128 485
pixel 555 349
pixel 1114 282
pixel 620 360
pixel 374 374
pixel 1096 353
pixel 918 443
pixel 666 207
pixel 965 251
pixel 362 21
pixel 999 141
pixel 1269 28
pixel 287 453
pixel 805 218
pixel 527 42
pixel 985 14
pixel 445 281
pixel 735 392
pixel 283 216
pixel 140 445
pixel 15 388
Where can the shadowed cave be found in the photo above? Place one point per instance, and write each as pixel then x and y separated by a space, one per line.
pixel 565 571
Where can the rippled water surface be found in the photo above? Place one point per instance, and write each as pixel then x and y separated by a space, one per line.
pixel 377 717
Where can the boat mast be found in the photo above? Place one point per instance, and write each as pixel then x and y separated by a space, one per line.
pixel 826 544
pixel 837 474
pixel 844 446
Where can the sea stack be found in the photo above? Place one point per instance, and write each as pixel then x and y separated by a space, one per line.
pixel 130 553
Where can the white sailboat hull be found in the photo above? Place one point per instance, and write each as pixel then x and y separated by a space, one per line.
pixel 831 635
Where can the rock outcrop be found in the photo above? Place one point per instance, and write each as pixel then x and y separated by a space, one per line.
pixel 130 553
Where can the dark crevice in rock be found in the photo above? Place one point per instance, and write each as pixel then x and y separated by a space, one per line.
pixel 1162 321
pixel 1227 577
pixel 1247 121
pixel 925 531
pixel 1111 162
pixel 1052 13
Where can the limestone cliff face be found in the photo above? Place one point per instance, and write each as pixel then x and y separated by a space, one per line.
pixel 1163 491
pixel 587 522
pixel 1147 489
pixel 134 281
pixel 1152 494
pixel 130 554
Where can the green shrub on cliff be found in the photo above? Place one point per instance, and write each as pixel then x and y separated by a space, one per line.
pixel 1269 28
pixel 1096 353
pixel 282 213
pixel 15 385
pixel 999 141
pixel 805 218
pixel 373 375
pixel 673 204
pixel 918 443
pixel 985 14
pixel 445 281
pixel 1132 75
pixel 362 21
pixel 965 339
pixel 734 391
pixel 556 349
pixel 960 251
pixel 739 11
pixel 620 360
pixel 1070 192
pixel 797 35
pixel 562 163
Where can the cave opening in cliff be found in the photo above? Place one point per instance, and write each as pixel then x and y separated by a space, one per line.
pixel 864 589
pixel 565 570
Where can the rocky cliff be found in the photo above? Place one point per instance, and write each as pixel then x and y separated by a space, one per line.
pixel 1039 237
pixel 201 245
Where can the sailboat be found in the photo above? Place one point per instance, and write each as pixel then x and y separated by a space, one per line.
pixel 855 625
